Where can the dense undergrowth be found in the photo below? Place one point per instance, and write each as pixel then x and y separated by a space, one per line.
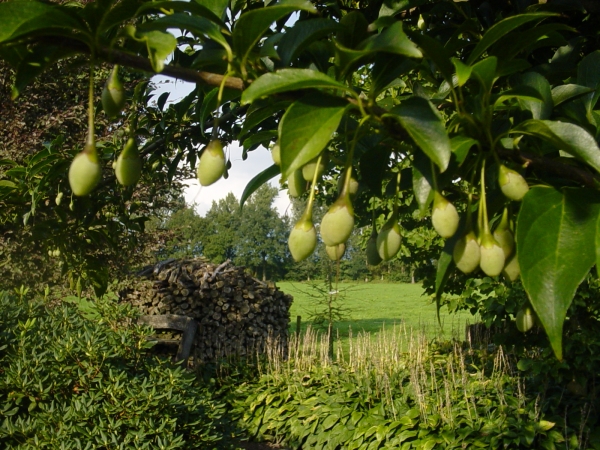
pixel 439 395
pixel 76 374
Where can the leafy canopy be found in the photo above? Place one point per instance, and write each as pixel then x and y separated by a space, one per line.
pixel 464 107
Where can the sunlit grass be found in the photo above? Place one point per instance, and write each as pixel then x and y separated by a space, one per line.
pixel 373 307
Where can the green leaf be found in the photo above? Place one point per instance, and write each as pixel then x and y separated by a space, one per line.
pixel 7 184
pixel 485 72
pixel 289 80
pixel 193 7
pixel 159 45
pixel 528 40
pixel 555 231
pixel 257 116
pixel 521 93
pixel 209 104
pixel 598 247
pixel 564 136
pixel 297 38
pixel 460 147
pixel 392 40
pixel 422 189
pixel 252 25
pixel 463 72
pixel 566 92
pixel 539 110
pixel 386 71
pixel 259 138
pixel 21 18
pixel 588 75
pixel 437 53
pixel 218 7
pixel 501 29
pixel 120 12
pixel 426 127
pixel 199 26
pixel 393 7
pixel 306 129
pixel 258 181
pixel 444 265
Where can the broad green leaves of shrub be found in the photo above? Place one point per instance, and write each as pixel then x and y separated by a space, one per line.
pixel 77 375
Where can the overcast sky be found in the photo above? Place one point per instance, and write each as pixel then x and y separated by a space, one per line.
pixel 241 172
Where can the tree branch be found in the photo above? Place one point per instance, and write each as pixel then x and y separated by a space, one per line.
pixel 547 165
pixel 116 56
pixel 553 167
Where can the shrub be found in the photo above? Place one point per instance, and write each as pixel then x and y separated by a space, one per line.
pixel 395 393
pixel 77 375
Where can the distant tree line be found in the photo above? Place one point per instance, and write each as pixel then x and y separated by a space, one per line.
pixel 255 236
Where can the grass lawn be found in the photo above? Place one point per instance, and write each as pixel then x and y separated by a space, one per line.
pixel 373 306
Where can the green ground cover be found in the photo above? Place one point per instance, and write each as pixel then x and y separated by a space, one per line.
pixel 371 307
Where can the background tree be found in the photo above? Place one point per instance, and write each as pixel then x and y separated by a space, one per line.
pixel 255 236
pixel 47 236
pixel 439 97
pixel 262 235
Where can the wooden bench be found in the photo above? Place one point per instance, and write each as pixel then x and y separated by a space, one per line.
pixel 186 325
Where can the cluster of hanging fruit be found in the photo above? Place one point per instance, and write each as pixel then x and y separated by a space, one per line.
pixel 478 247
pixel 338 222
pixel 85 171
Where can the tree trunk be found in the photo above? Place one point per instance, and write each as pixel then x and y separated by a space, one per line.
pixel 264 267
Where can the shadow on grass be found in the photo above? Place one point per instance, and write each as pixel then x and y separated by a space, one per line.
pixel 451 327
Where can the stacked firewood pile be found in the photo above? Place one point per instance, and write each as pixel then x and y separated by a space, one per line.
pixel 237 314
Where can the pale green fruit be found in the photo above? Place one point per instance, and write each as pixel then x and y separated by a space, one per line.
pixel 352 188
pixel 58 198
pixel 467 253
pixel 492 256
pixel 389 239
pixel 85 172
pixel 128 168
pixel 373 257
pixel 212 163
pixel 296 184
pixel 302 240
pixel 504 236
pixel 525 319
pixel 335 252
pixel 506 240
pixel 276 154
pixel 421 23
pixel 512 270
pixel 444 216
pixel 512 184
pixel 308 170
pixel 113 95
pixel 338 222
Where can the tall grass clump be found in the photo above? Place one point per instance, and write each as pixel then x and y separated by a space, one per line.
pixel 396 389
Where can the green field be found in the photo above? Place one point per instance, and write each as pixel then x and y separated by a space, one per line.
pixel 373 306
